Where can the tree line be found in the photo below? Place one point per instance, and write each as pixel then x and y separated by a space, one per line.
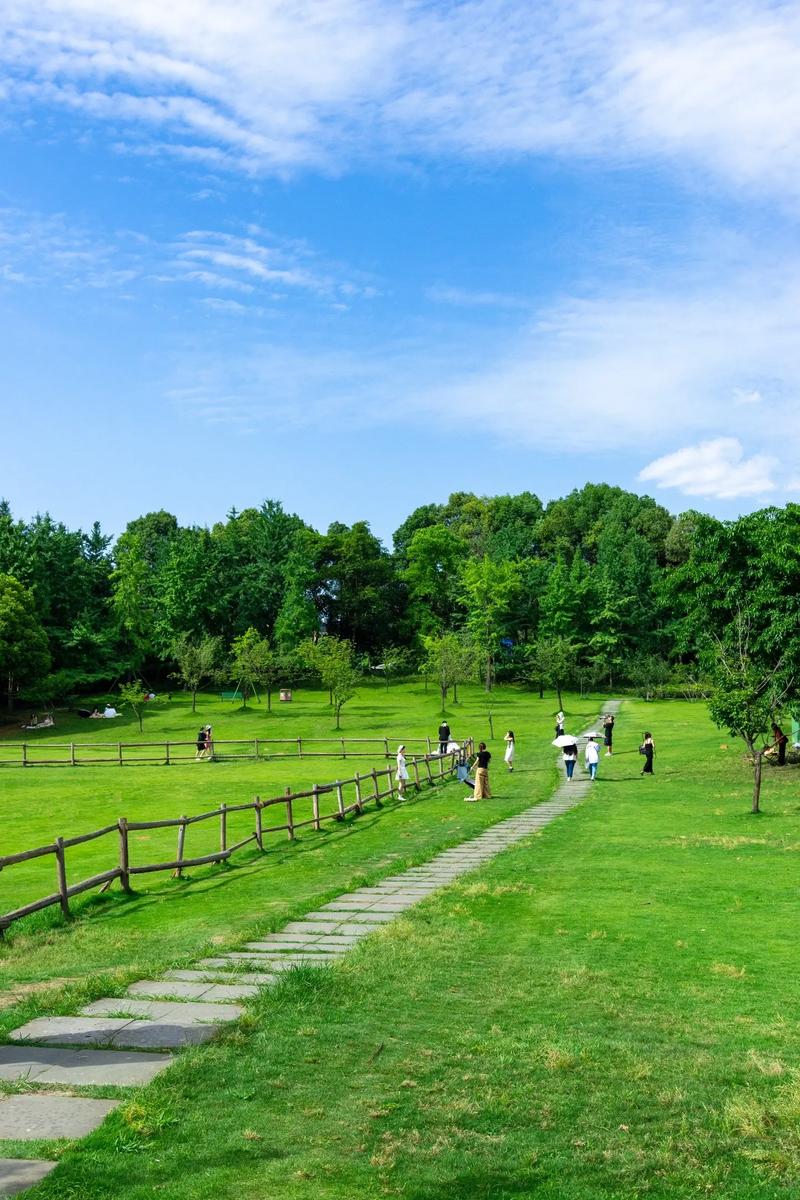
pixel 598 588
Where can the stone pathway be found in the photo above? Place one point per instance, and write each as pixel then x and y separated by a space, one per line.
pixel 125 1041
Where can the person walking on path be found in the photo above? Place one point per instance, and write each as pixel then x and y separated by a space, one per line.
pixel 481 765
pixel 570 758
pixel 779 740
pixel 508 757
pixel 402 771
pixel 648 749
pixel 444 737
pixel 560 724
pixel 608 733
pixel 592 757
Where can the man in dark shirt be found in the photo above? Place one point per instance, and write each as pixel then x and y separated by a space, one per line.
pixel 444 737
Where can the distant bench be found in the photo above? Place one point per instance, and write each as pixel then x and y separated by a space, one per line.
pixel 236 695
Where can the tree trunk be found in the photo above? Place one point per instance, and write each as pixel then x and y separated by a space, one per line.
pixel 560 701
pixel 330 698
pixel 757 756
pixel 488 683
pixel 10 691
pixel 338 710
pixel 269 699
pixel 491 726
pixel 140 715
pixel 443 690
pixel 455 693
pixel 541 690
pixel 194 699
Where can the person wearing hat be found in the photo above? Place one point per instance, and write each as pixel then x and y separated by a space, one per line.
pixel 402 771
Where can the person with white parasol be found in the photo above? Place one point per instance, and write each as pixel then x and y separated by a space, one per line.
pixel 569 747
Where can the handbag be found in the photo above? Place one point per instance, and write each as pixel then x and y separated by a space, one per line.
pixel 643 751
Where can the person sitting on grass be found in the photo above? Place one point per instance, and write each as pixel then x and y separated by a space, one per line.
pixel 95 715
pixel 110 711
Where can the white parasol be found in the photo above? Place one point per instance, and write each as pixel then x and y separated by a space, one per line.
pixel 564 739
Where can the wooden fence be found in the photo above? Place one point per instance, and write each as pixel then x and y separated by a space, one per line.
pixel 366 788
pixel 84 754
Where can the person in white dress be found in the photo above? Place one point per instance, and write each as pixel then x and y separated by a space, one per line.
pixel 509 754
pixel 402 771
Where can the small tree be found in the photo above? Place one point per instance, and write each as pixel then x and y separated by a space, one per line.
pixel 448 659
pixel 745 697
pixel 197 662
pixel 648 673
pixel 551 663
pixel 133 694
pixel 489 589
pixel 337 671
pixel 250 661
pixel 24 654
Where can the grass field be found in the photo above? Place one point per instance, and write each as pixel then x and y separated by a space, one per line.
pixel 606 1011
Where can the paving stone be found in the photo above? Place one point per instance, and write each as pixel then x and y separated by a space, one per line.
pixel 268 954
pixel 52 1064
pixel 156 1035
pixel 339 944
pixel 348 905
pixel 70 1031
pixel 366 916
pixel 311 926
pixel 169 987
pixel 19 1174
pixel 167 1012
pixel 50 1115
pixel 354 928
pixel 287 939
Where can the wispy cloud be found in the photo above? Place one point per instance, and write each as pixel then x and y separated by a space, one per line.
pixel 466 298
pixel 265 85
pixel 718 469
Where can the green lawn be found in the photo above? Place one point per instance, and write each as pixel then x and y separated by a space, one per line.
pixel 606 1011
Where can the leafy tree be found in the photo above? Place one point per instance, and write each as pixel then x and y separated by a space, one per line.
pixel 551 663
pixel 488 591
pixel 251 661
pixel 746 695
pixel 297 617
pixel 197 661
pixel 448 659
pixel 332 658
pixel 359 594
pixel 24 654
pixel 134 694
pixel 647 672
pixel 432 577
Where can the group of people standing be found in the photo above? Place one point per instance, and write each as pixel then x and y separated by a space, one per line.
pixel 480 763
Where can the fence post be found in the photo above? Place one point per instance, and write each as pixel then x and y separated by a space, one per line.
pixel 359 805
pixel 428 740
pixel 391 783
pixel 415 765
pixel 119 752
pixel 344 749
pixel 428 768
pixel 223 827
pixel 315 805
pixel 24 754
pixel 441 766
pixel 176 874
pixel 376 788
pixel 339 801
pixel 386 746
pixel 289 816
pixel 259 827
pixel 299 747
pixel 61 871
pixel 166 748
pixel 124 864
pixel 72 754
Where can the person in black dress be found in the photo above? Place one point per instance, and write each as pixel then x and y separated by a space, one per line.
pixel 779 740
pixel 649 748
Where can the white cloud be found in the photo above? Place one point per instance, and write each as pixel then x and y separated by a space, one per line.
pixel 747 396
pixel 715 469
pixel 276 84
pixel 465 298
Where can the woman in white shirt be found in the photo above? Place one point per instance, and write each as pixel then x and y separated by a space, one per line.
pixel 402 771
pixel 508 757
pixel 592 757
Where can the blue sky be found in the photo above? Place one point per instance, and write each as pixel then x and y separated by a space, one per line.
pixel 357 255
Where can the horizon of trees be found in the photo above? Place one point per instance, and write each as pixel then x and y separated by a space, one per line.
pixel 601 586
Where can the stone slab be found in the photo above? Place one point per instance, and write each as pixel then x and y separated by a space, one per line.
pixel 70 1031
pixel 183 989
pixel 19 1174
pixel 52 1064
pixel 349 905
pixel 311 927
pixel 50 1115
pixel 366 916
pixel 153 1035
pixel 353 928
pixel 168 1012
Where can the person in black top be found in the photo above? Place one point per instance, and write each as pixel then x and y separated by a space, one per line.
pixel 481 765
pixel 444 737
pixel 648 750
pixel 608 733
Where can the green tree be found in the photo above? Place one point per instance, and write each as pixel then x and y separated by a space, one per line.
pixel 24 653
pixel 133 693
pixel 551 663
pixel 197 661
pixel 432 577
pixel 448 659
pixel 297 617
pixel 251 661
pixel 746 695
pixel 488 593
pixel 332 658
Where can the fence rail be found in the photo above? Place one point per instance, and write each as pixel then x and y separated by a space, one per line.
pixel 167 753
pixel 366 788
